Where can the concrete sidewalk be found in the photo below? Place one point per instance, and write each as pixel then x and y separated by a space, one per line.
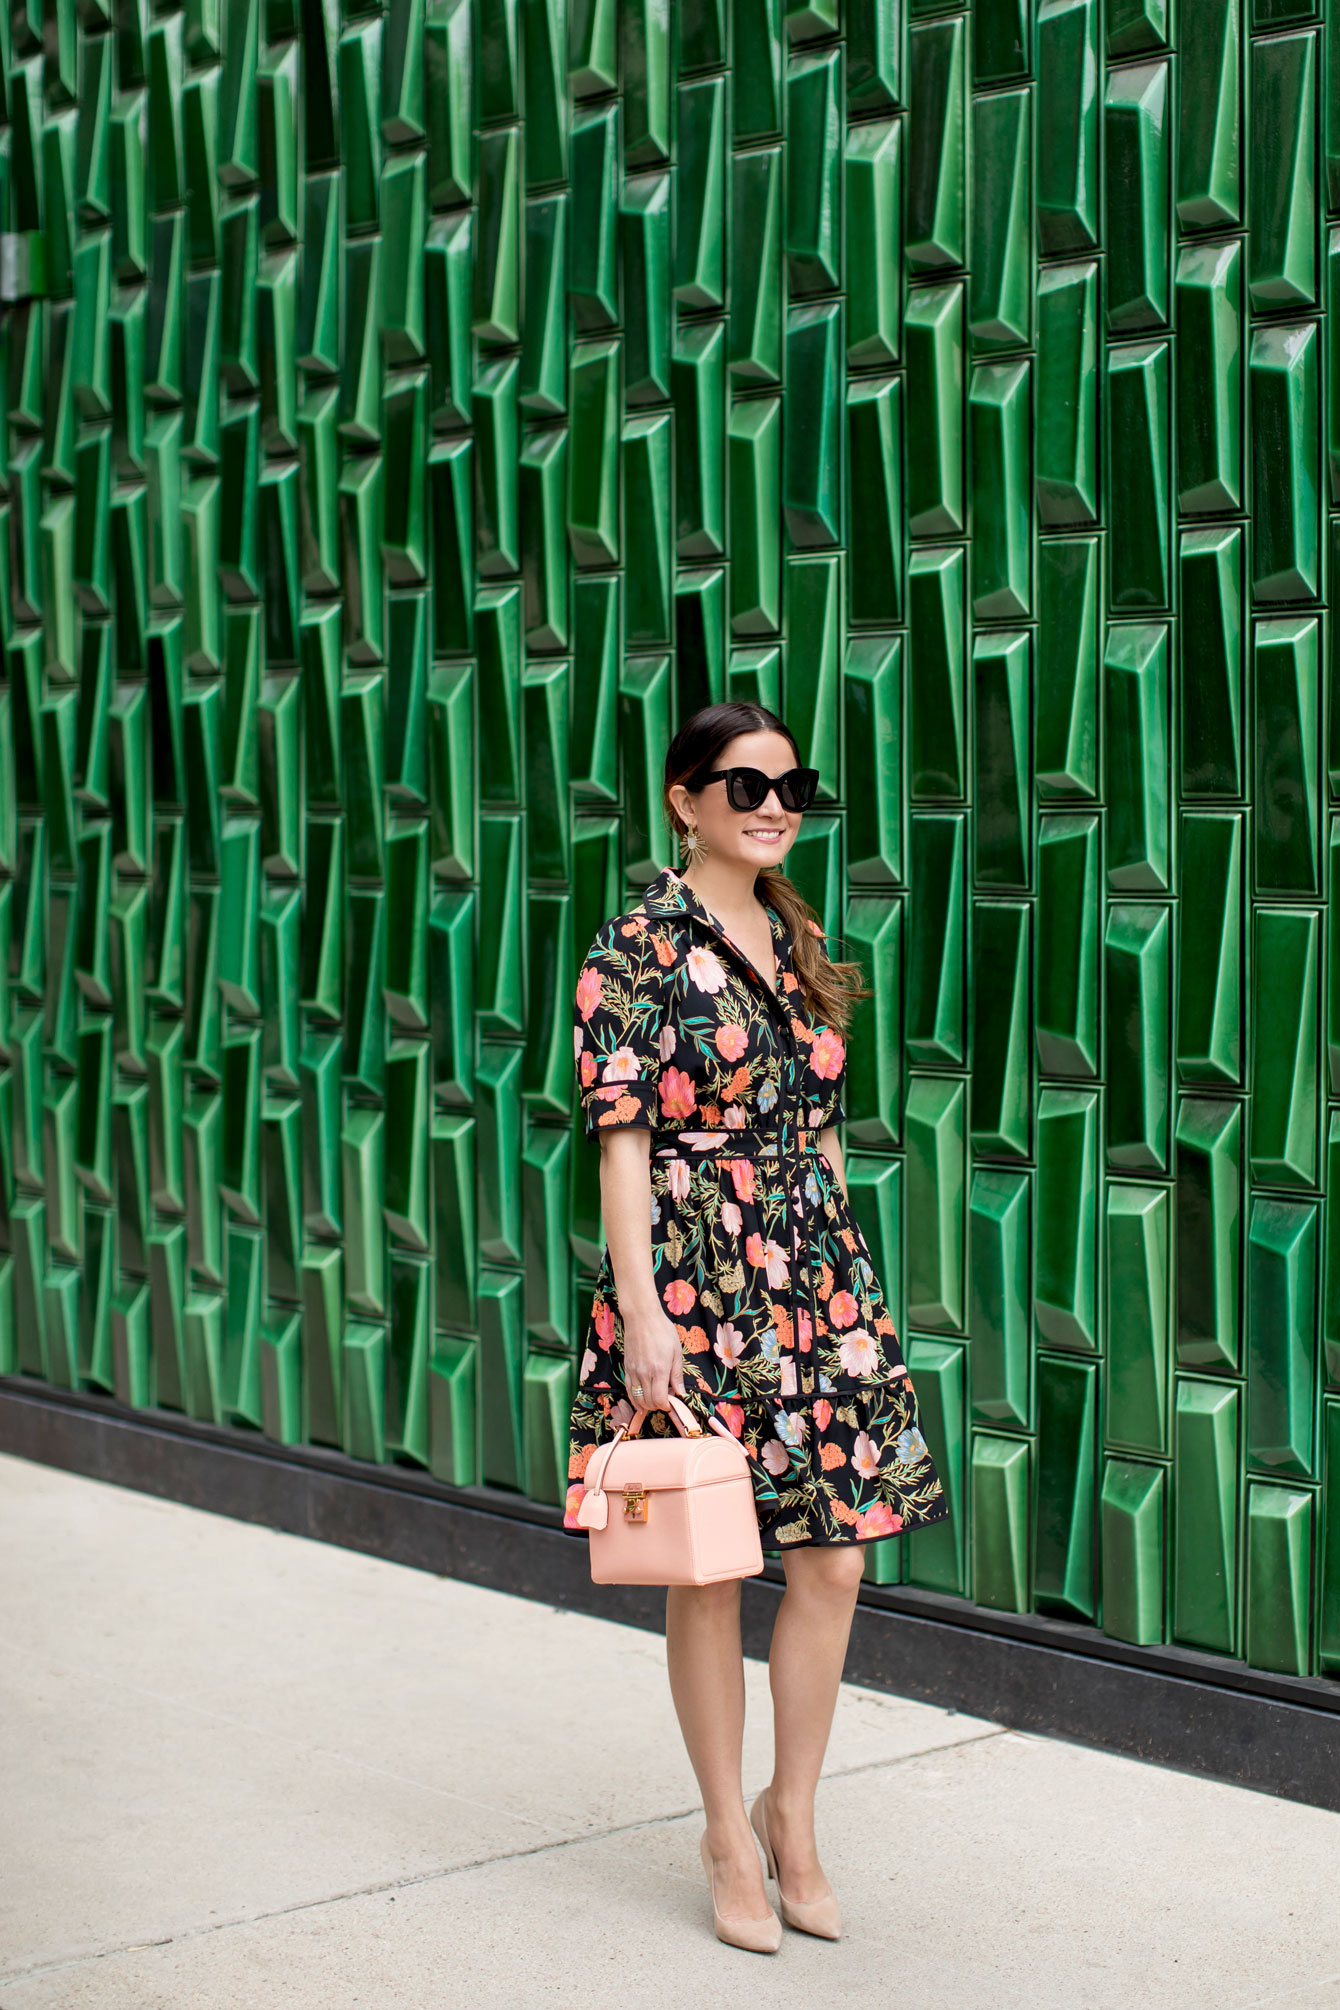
pixel 242 1770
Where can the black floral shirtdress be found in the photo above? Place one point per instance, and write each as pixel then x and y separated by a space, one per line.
pixel 756 1255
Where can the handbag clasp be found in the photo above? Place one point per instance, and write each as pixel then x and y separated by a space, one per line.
pixel 635 1503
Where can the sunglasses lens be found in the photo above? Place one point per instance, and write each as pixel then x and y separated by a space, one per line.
pixel 797 789
pixel 747 788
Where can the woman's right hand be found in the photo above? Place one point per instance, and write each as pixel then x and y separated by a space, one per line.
pixel 653 1359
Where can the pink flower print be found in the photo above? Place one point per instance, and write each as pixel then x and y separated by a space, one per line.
pixel 571 1505
pixel 621 1413
pixel 678 1096
pixel 731 1218
pixel 604 1323
pixel 588 1364
pixel 706 971
pixel 737 1119
pixel 778 1265
pixel 732 1415
pixel 823 1411
pixel 622 1066
pixel 878 1519
pixel 864 1456
pixel 753 1249
pixel 788 1375
pixel 731 1041
pixel 666 1042
pixel 578 1037
pixel 681 1177
pixel 589 987
pixel 775 1457
pixel 742 1178
pixel 679 1296
pixel 827 1055
pixel 588 1070
pixel 729 1344
pixel 842 1308
pixel 858 1353
pixel 806 1326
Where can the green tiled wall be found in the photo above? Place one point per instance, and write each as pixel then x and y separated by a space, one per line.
pixel 411 413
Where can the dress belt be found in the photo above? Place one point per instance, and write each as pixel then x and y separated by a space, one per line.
pixel 790 1143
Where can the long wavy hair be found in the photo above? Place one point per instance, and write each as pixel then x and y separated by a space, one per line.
pixel 830 987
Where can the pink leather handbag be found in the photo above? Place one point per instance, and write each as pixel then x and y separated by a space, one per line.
pixel 683 1508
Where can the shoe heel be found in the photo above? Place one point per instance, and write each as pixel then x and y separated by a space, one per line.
pixel 760 1827
pixel 759 1936
pixel 822 1916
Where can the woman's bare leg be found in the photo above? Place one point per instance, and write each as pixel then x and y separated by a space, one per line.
pixel 706 1668
pixel 809 1648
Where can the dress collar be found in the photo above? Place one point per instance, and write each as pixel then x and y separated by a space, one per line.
pixel 668 895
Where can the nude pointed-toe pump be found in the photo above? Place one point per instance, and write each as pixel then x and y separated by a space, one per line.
pixel 818 1915
pixel 760 1936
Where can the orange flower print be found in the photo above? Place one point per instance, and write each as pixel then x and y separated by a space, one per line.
pixel 712 1115
pixel 590 986
pixel 580 1460
pixel 678 1096
pixel 831 1457
pixel 823 1414
pixel 864 1456
pixel 828 1055
pixel 695 1339
pixel 878 1519
pixel 806 1325
pixel 842 1308
pixel 883 1323
pixel 624 1111
pixel 738 1085
pixel 588 1070
pixel 679 1296
pixel 858 1353
pixel 781 1318
pixel 742 1179
pixel 731 1041
pixel 753 1245
pixel 603 1319
pixel 666 951
pixel 824 1288
pixel 845 1513
pixel 732 1415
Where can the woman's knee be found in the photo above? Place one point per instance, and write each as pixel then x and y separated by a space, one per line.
pixel 834 1570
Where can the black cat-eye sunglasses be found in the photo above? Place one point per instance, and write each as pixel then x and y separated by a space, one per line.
pixel 746 788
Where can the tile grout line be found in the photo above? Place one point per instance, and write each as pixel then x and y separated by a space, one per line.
pixel 22 1975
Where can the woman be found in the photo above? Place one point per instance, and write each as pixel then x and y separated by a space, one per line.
pixel 710 1056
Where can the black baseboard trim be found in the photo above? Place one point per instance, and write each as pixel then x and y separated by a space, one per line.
pixel 1171 1706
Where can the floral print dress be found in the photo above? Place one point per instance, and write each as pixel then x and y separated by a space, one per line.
pixel 756 1256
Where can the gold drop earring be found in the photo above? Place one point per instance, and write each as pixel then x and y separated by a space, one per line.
pixel 691 845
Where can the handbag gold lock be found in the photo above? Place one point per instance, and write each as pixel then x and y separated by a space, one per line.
pixel 635 1503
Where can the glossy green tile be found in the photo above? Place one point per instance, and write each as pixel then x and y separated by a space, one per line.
pixel 1136 953
pixel 1287 822
pixel 543 387
pixel 1065 1230
pixel 1139 155
pixel 873 223
pixel 1137 1279
pixel 1064 1488
pixel 644 252
pixel 936 1179
pixel 1068 381
pixel 937 694
pixel 998 1313
pixel 1067 73
pixel 1001 286
pixel 936 1556
pixel 1001 1047
pixel 1068 960
pixel 700 226
pixel 935 377
pixel 1211 643
pixel 1000 449
pixel 1000 1532
pixel 1282 1240
pixel 698 386
pixel 1002 790
pixel 1209 949
pixel 812 437
pixel 1209 115
pixel 874 1091
pixel 1138 465
pixel 937 140
pixel 593 283
pixel 1132 1517
pixel 874 500
pixel 1284 1089
pixel 755 328
pixel 1279 1579
pixel 1205 1515
pixel 1138 837
pixel 593 456
pixel 1066 732
pixel 756 108
pixel 648 540
pixel 1209 378
pixel 754 434
pixel 814 173
pixel 872 699
pixel 936 953
pixel 1283 368
pixel 1328 1560
pixel 1282 220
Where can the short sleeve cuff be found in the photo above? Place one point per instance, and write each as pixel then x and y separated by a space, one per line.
pixel 619 1106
